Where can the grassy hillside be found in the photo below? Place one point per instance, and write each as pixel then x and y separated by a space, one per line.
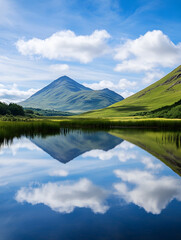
pixel 164 92
pixel 172 111
pixel 65 94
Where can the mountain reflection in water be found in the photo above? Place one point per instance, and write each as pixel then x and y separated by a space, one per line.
pixel 69 145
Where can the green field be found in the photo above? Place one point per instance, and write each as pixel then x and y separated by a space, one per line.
pixel 164 92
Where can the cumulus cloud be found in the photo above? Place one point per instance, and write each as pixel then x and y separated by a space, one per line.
pixel 64 197
pixel 65 45
pixel 149 51
pixel 122 84
pixel 150 164
pixel 150 192
pixel 119 152
pixel 12 93
pixel 127 145
pixel 126 93
pixel 151 76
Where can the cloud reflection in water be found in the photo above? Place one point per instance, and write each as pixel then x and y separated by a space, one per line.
pixel 150 192
pixel 64 197
pixel 120 152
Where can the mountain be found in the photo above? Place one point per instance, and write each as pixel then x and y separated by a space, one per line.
pixel 164 92
pixel 65 94
pixel 66 147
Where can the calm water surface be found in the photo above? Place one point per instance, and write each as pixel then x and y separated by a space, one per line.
pixel 91 185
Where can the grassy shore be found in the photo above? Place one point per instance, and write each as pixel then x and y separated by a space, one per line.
pixel 95 123
pixel 9 130
pixel 107 123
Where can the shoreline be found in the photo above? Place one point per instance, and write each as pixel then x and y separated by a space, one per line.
pixel 101 123
pixel 120 123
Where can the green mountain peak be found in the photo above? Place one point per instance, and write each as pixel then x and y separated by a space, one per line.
pixel 65 94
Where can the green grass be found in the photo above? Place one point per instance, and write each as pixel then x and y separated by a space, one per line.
pixel 164 92
pixel 9 130
pixel 94 123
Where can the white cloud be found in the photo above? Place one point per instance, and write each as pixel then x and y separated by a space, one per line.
pixel 121 85
pixel 126 93
pixel 59 68
pixel 150 164
pixel 64 197
pixel 125 84
pixel 11 93
pixel 59 173
pixel 17 146
pixel 149 51
pixel 152 76
pixel 120 152
pixel 65 45
pixel 100 85
pixel 150 192
pixel 127 145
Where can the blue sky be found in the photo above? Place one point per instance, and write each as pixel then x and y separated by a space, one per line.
pixel 123 45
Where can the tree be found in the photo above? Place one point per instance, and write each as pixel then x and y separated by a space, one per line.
pixel 3 108
pixel 16 109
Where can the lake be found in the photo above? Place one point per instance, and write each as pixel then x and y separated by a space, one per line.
pixel 116 184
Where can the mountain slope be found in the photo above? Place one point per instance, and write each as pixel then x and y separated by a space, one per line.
pixel 65 94
pixel 164 92
pixel 171 111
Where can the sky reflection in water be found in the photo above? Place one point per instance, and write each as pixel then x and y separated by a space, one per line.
pixel 116 182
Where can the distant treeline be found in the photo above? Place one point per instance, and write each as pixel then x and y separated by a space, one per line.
pixel 11 109
pixel 43 112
